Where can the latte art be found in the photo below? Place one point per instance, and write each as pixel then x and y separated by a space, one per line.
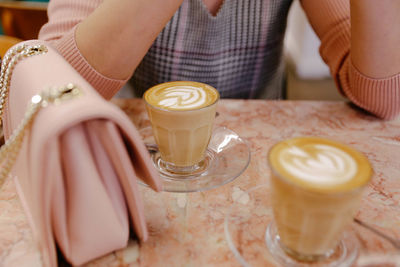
pixel 182 97
pixel 318 164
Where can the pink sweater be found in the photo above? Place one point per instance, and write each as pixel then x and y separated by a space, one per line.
pixel 378 96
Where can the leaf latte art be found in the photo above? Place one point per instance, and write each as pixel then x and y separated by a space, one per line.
pixel 185 97
pixel 181 95
pixel 318 164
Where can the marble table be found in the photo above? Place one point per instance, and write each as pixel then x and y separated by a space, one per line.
pixel 188 229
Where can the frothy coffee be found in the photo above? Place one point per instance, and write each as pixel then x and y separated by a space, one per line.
pixel 182 114
pixel 315 191
pixel 320 163
pixel 181 95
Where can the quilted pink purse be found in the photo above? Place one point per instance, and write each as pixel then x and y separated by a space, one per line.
pixel 77 157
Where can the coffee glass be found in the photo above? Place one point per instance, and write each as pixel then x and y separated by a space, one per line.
pixel 182 115
pixel 316 187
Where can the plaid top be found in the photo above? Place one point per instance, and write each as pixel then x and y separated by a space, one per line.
pixel 238 51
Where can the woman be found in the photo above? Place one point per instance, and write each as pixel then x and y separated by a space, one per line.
pixel 236 46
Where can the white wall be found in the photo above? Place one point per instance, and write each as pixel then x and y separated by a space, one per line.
pixel 302 44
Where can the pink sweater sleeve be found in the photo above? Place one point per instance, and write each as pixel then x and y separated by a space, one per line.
pixel 64 15
pixel 332 24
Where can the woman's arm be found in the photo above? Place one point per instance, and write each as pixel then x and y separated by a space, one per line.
pixel 117 35
pixel 106 40
pixel 375 37
pixel 363 58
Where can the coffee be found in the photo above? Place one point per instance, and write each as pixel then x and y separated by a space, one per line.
pixel 316 189
pixel 181 95
pixel 182 114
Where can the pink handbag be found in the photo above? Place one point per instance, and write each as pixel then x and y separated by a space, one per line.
pixel 77 168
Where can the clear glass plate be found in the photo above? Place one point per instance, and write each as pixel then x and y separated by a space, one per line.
pixel 251 235
pixel 227 156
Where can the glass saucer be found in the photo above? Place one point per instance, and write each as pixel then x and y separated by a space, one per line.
pixel 251 235
pixel 227 157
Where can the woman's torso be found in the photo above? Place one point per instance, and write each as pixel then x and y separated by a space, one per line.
pixel 238 51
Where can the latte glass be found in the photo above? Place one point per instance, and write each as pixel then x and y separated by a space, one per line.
pixel 316 187
pixel 182 114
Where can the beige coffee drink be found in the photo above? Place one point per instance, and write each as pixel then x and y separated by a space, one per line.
pixel 182 114
pixel 316 189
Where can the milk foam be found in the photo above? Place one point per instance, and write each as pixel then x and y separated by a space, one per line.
pixel 181 97
pixel 318 164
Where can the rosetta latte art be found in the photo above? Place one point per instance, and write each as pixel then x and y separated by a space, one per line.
pixel 318 164
pixel 182 97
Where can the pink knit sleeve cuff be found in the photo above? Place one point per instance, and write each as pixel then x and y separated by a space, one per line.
pixel 107 87
pixel 378 96
pixel 381 97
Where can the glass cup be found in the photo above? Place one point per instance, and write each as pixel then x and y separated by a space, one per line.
pixel 182 115
pixel 316 187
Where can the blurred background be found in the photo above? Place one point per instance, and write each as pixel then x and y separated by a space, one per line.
pixel 20 20
pixel 307 76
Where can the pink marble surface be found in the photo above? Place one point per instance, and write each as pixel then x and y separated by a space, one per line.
pixel 188 229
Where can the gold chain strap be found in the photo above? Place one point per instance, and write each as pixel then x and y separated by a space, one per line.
pixel 9 151
pixel 10 60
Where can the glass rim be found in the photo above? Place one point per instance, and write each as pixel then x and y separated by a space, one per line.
pixel 186 110
pixel 315 189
